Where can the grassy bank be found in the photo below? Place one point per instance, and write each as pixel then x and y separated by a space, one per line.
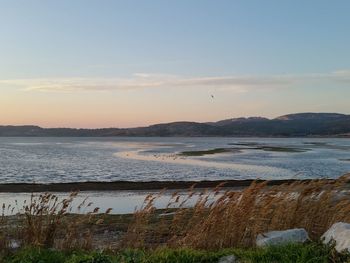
pixel 308 253
pixel 219 221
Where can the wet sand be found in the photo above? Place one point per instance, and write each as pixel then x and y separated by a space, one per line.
pixel 182 160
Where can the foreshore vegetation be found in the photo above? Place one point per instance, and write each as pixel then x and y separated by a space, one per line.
pixel 220 221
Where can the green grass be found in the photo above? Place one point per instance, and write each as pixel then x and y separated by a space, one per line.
pixel 204 152
pixel 293 253
pixel 270 148
pixel 282 149
pixel 251 145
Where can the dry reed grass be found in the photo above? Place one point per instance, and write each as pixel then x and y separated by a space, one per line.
pixel 222 219
pixel 46 221
pixel 211 219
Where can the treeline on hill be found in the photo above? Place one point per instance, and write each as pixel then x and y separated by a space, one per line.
pixel 302 124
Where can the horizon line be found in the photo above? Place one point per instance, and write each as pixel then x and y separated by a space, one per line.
pixel 179 121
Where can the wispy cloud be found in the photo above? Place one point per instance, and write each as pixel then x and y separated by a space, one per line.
pixel 144 80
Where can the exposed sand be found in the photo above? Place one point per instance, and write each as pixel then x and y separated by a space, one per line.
pixel 175 159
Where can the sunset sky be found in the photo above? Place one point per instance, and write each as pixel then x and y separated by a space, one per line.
pixel 109 63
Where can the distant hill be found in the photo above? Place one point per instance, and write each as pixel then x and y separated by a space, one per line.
pixel 300 125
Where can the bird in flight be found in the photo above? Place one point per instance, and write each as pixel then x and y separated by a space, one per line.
pixel 212 96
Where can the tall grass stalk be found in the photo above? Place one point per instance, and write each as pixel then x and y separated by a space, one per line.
pixel 221 218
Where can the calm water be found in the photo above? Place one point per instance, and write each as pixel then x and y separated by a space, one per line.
pixel 121 202
pixel 142 159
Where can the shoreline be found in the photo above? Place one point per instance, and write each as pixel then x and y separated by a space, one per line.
pixel 135 186
pixel 335 136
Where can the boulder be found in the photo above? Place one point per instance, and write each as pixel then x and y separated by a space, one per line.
pixel 14 244
pixel 297 235
pixel 340 234
pixel 228 259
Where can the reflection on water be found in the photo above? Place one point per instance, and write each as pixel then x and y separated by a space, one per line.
pixel 50 160
pixel 121 202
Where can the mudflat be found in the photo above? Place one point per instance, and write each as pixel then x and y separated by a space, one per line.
pixel 128 185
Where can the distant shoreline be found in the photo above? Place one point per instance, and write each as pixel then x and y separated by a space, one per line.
pixel 133 186
pixel 182 136
pixel 306 124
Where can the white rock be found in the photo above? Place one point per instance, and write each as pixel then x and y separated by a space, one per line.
pixel 228 259
pixel 340 233
pixel 14 244
pixel 297 235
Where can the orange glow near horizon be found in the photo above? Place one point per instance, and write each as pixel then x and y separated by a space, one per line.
pixel 151 105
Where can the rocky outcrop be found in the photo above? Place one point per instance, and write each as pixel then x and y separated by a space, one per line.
pixel 340 234
pixel 298 235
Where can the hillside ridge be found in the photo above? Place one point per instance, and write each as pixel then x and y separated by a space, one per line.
pixel 290 125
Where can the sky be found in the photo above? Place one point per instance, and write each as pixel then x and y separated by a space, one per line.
pixel 111 63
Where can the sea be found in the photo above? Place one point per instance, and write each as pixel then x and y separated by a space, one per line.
pixel 63 159
pixel 53 160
